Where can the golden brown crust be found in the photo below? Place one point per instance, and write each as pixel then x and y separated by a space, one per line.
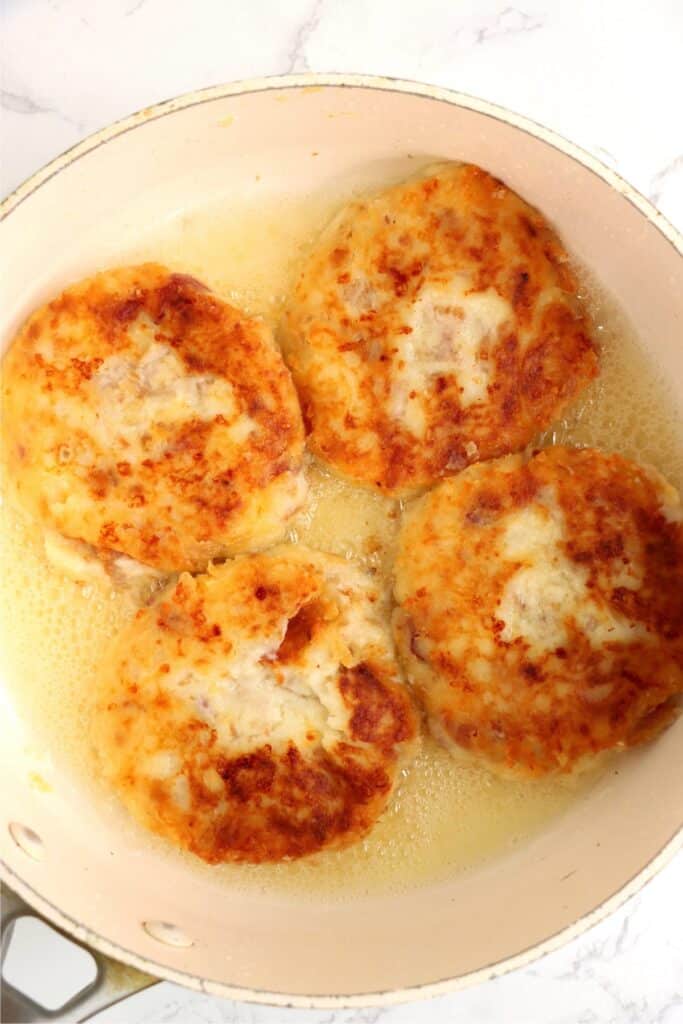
pixel 257 713
pixel 541 607
pixel 145 415
pixel 432 326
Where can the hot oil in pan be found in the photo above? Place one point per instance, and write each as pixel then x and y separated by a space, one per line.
pixel 445 816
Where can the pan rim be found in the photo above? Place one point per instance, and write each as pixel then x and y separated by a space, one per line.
pixel 313 80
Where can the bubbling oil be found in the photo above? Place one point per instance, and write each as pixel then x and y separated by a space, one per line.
pixel 445 815
pixel 628 408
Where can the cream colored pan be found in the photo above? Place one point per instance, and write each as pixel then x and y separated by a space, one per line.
pixel 381 950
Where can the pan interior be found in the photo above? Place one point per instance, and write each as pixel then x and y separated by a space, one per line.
pixel 279 160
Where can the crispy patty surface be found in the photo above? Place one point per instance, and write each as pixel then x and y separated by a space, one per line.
pixel 256 713
pixel 143 415
pixel 540 607
pixel 432 326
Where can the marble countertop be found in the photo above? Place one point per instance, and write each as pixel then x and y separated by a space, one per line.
pixel 606 76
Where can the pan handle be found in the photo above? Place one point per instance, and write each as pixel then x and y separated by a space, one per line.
pixel 114 981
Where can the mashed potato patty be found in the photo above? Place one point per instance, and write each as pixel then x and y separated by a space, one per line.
pixel 144 416
pixel 432 326
pixel 256 713
pixel 540 607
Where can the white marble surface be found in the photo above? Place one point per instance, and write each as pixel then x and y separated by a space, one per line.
pixel 606 75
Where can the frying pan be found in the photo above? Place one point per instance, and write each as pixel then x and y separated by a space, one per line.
pixel 102 886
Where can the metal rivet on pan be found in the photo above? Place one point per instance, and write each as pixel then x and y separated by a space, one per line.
pixel 27 840
pixel 167 933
